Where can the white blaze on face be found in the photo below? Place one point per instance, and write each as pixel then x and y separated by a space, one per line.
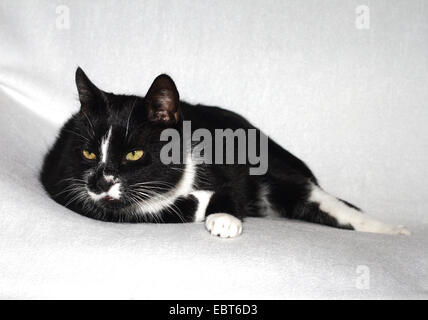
pixel 104 146
pixel 114 191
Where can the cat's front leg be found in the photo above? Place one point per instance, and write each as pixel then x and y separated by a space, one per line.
pixel 222 212
pixel 223 225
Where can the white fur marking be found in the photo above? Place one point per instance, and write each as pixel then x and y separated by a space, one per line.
pixel 97 196
pixel 224 225
pixel 348 215
pixel 183 188
pixel 203 201
pixel 104 146
pixel 113 192
pixel 109 178
pixel 264 203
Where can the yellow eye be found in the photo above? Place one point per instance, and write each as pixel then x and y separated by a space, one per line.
pixel 134 155
pixel 89 155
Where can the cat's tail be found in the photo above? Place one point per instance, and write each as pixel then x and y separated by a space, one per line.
pixel 324 208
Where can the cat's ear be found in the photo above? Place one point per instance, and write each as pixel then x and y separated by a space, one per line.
pixel 163 101
pixel 89 94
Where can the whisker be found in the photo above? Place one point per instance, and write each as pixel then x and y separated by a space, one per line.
pixel 77 134
pixel 129 117
pixel 90 123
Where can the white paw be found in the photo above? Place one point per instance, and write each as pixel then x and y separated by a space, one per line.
pixel 366 224
pixel 400 230
pixel 393 230
pixel 378 227
pixel 223 225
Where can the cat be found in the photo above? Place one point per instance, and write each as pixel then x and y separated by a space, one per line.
pixel 106 164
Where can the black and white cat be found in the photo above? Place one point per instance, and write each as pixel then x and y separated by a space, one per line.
pixel 106 164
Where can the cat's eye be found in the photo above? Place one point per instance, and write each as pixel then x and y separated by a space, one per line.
pixel 134 155
pixel 88 155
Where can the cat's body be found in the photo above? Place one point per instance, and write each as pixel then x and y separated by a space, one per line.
pixel 107 183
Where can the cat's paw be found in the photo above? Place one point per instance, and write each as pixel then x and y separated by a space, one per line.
pixel 379 227
pixel 223 225
pixel 386 229
pixel 400 230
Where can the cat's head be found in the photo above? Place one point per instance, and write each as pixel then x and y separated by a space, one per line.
pixel 115 143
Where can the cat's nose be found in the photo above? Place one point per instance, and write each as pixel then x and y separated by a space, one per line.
pixel 103 185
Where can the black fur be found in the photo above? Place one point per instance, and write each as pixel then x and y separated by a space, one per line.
pixel 136 124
